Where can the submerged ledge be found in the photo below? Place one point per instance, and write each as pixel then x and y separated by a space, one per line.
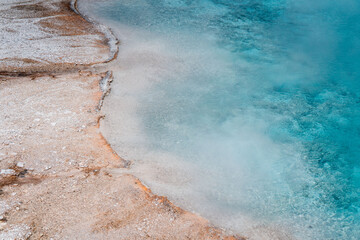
pixel 56 180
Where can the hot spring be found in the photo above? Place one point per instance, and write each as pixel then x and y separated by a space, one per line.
pixel 246 112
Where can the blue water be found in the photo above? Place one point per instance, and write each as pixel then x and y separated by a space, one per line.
pixel 263 96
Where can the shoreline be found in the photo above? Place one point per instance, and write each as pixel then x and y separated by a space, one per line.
pixel 113 41
pixel 49 190
pixel 160 176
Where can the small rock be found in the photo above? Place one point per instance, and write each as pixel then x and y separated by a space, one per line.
pixel 83 165
pixel 2 225
pixel 20 164
pixel 7 172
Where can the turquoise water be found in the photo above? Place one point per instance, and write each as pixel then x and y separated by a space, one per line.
pixel 261 96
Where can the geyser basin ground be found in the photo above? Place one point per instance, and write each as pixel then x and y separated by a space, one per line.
pixel 246 112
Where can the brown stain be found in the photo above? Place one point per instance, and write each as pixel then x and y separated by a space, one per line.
pixel 10 180
pixel 43 68
pixel 235 238
pixel 30 11
pixel 94 170
pixel 105 144
pixel 145 189
pixel 24 60
pixel 72 25
pixel 164 201
pixel 30 7
pixel 109 220
pixel 20 177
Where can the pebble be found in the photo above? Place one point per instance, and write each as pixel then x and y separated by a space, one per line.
pixel 83 165
pixel 20 164
pixel 2 225
pixel 7 172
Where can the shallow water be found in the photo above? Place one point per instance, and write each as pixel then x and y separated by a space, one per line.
pixel 246 112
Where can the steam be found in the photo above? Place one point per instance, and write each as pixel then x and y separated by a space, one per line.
pixel 240 110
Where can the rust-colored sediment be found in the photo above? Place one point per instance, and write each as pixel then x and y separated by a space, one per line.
pixel 21 176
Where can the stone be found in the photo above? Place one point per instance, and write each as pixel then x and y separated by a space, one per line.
pixel 7 172
pixel 20 165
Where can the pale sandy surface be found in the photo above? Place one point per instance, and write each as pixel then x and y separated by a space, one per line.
pixel 55 167
pixel 37 35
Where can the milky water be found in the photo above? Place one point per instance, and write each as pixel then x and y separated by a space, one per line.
pixel 246 112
